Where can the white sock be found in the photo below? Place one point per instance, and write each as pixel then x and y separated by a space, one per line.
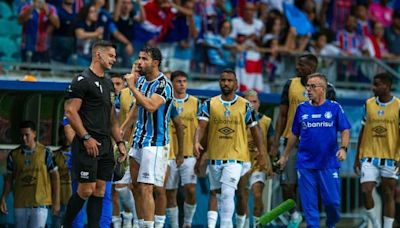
pixel 212 217
pixel 136 223
pixel 148 224
pixel 189 211
pixel 141 222
pixel 387 222
pixel 127 216
pixel 173 215
pixel 255 221
pixel 116 221
pixel 226 223
pixel 159 221
pixel 374 220
pixel 240 220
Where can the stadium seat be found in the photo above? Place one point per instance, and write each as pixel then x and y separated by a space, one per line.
pixel 10 28
pixel 8 50
pixel 6 11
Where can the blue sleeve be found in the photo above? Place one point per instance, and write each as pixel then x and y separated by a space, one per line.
pixel 164 89
pixel 296 122
pixel 112 27
pixel 251 116
pixel 342 121
pixel 204 111
pixel 174 111
pixel 50 164
pixel 10 163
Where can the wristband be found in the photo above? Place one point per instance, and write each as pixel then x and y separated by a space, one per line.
pixel 86 136
pixel 344 148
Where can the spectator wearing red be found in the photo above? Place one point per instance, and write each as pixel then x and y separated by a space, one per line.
pixel 348 40
pixel 375 44
pixel 36 18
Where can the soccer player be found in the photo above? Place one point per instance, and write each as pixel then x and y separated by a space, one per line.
pixel 315 125
pixel 123 103
pixel 256 177
pixel 187 107
pixel 378 149
pixel 294 92
pixel 226 118
pixel 90 112
pixel 149 154
pixel 32 174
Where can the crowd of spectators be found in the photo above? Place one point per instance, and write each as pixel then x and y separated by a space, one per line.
pixel 250 35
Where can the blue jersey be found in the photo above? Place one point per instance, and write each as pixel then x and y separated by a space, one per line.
pixel 152 128
pixel 317 128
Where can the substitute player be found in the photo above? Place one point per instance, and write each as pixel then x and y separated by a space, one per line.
pixel 378 149
pixel 316 124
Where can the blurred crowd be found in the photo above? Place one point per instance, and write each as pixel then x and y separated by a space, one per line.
pixel 247 35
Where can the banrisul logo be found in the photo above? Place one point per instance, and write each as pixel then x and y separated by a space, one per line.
pixel 319 124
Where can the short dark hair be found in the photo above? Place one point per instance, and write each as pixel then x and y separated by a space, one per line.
pixel 385 78
pixel 154 52
pixel 103 44
pixel 320 76
pixel 310 57
pixel 229 71
pixel 116 75
pixel 178 73
pixel 28 124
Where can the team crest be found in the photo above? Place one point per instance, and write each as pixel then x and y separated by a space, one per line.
pixel 328 115
pixel 381 112
pixel 227 113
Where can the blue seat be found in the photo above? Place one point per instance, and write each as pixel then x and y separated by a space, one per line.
pixel 9 50
pixel 6 11
pixel 10 28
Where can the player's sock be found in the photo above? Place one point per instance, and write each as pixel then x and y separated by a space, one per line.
pixel 159 221
pixel 371 215
pixel 255 221
pixel 147 224
pixel 240 220
pixel 127 216
pixel 75 204
pixel 141 222
pixel 173 216
pixel 398 213
pixel 387 222
pixel 212 217
pixel 116 221
pixel 93 211
pixel 189 211
pixel 227 207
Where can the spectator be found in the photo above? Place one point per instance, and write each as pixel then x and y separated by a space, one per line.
pixel 363 23
pixel 87 32
pixel 334 13
pixel 105 20
pixel 220 46
pixel 348 40
pixel 392 35
pixel 381 12
pixel 36 18
pixel 125 17
pixel 247 31
pixel 375 44
pixel 63 39
pixel 33 176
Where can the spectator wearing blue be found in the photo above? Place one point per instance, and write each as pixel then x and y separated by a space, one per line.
pixel 36 17
pixel 125 16
pixel 392 35
pixel 63 39
pixel 316 124
pixel 105 21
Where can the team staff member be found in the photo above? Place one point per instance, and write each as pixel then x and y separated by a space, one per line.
pixel 149 154
pixel 378 149
pixel 34 177
pixel 316 123
pixel 256 178
pixel 91 114
pixel 187 107
pixel 294 92
pixel 227 117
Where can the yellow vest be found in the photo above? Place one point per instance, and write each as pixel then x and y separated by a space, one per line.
pixel 264 122
pixel 127 102
pixel 297 94
pixel 381 130
pixel 227 136
pixel 187 110
pixel 32 180
pixel 65 176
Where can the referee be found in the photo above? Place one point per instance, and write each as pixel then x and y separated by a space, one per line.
pixel 90 111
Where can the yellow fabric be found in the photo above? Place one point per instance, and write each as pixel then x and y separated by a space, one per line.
pixel 227 136
pixel 188 117
pixel 32 181
pixel 297 94
pixel 65 176
pixel 127 101
pixel 381 130
pixel 264 122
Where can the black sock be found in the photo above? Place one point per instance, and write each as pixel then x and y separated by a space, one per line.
pixel 398 214
pixel 75 204
pixel 93 210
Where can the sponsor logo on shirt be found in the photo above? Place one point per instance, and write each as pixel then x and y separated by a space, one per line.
pixel 317 124
pixel 316 116
pixel 226 131
pixel 84 175
pixel 379 131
